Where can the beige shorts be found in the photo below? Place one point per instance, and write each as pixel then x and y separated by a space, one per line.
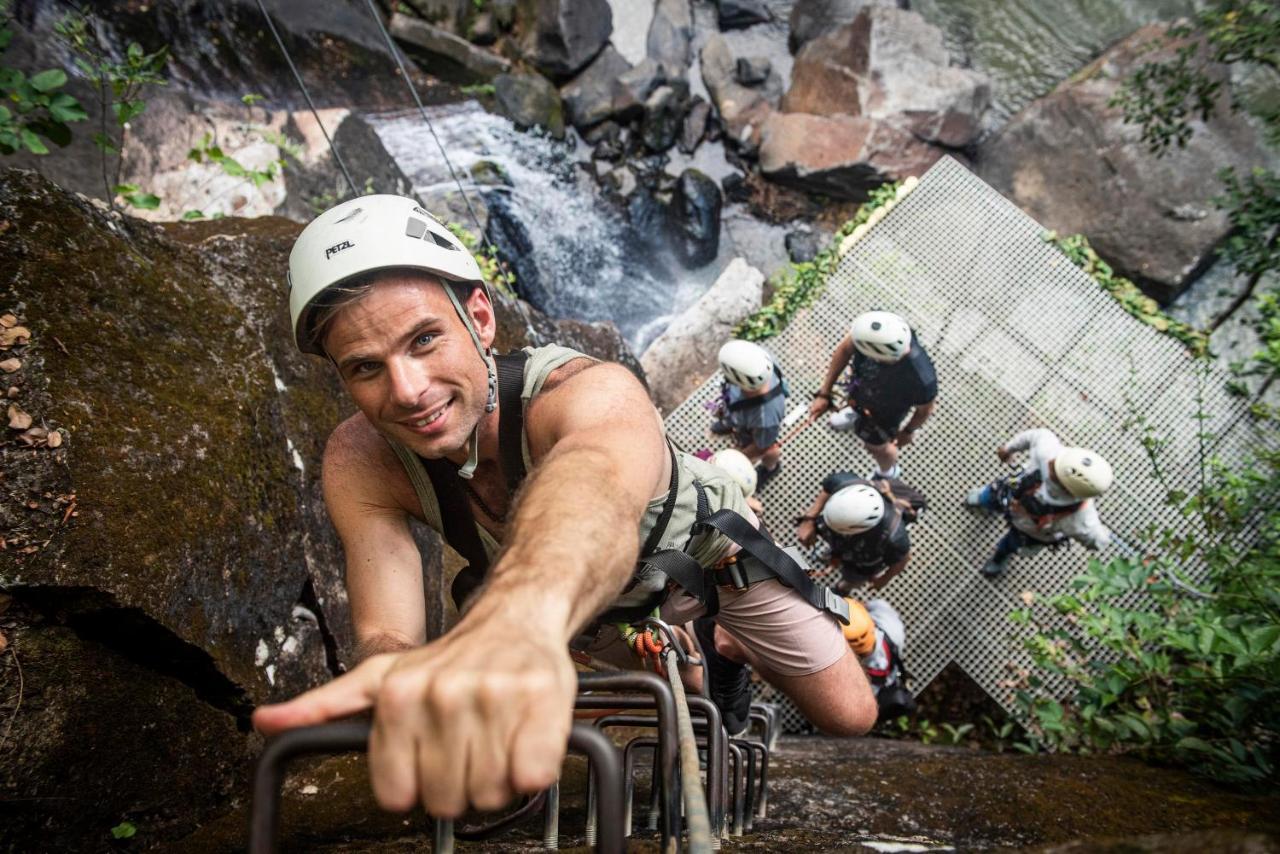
pixel 783 632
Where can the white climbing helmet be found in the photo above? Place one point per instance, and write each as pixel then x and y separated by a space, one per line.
pixel 746 365
pixel 739 468
pixel 881 335
pixel 1083 472
pixel 365 234
pixel 854 509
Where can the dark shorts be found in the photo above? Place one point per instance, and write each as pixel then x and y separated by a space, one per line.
pixel 872 432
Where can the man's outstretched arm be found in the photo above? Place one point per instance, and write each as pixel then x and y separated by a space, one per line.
pixel 484 712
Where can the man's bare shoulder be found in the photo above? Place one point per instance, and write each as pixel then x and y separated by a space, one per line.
pixel 571 369
pixel 358 459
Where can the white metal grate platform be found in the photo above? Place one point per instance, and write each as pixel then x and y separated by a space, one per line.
pixel 1020 337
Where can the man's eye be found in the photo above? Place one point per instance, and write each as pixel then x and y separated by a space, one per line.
pixel 365 368
pixel 424 339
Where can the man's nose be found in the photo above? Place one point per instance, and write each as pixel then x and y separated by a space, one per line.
pixel 408 383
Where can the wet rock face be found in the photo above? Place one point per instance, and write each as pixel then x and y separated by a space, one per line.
pixel 737 14
pixel 561 36
pixel 663 112
pixel 670 38
pixel 1070 161
pixel 450 56
pixel 529 100
pixel 695 218
pixel 590 97
pixel 811 18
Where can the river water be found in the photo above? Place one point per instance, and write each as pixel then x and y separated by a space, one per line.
pixel 586 261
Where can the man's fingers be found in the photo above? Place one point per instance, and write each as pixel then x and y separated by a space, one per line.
pixel 450 725
pixel 348 694
pixel 400 727
pixel 537 752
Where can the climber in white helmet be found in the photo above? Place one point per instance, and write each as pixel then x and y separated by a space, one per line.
pixel 532 465
pixel 890 377
pixel 753 403
pixel 1047 502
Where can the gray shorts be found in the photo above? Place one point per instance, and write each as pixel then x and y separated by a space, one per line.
pixel 781 630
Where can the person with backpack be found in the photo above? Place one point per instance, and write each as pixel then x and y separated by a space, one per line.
pixel 753 402
pixel 1049 501
pixel 865 524
pixel 891 377
pixel 877 636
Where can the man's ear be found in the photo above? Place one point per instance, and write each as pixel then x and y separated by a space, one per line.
pixel 483 316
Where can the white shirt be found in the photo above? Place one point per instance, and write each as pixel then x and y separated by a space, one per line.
pixel 1083 525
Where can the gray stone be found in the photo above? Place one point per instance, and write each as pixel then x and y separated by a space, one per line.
pixel 752 70
pixel 737 14
pixel 620 181
pixel 447 54
pixel 529 100
pixel 592 96
pixel 803 245
pixel 890 65
pixel 684 355
pixel 840 156
pixel 448 14
pixel 662 114
pixel 1071 161
pixel 635 86
pixel 694 218
pixel 743 110
pixel 695 126
pixel 559 37
pixel 670 40
pixel 812 18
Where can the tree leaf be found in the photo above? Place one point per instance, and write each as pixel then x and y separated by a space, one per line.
pixel 124 830
pixel 32 142
pixel 143 201
pixel 47 81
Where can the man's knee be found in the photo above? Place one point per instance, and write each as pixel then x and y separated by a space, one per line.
pixel 855 717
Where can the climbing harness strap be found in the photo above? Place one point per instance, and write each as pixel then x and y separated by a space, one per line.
pixel 511 418
pixel 1021 489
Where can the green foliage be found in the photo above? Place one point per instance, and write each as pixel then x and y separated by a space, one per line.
pixel 34 110
pixel 1165 97
pixel 495 272
pixel 133 194
pixel 477 90
pixel 1077 249
pixel 803 283
pixel 124 830
pixel 206 151
pixel 120 86
pixel 1175 653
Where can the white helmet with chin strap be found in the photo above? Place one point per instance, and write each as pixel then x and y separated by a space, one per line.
pixel 881 335
pixel 746 365
pixel 1083 472
pixel 739 468
pixel 854 509
pixel 381 232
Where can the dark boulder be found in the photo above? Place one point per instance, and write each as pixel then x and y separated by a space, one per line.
pixel 737 14
pixel 529 100
pixel 695 218
pixel 595 94
pixel 451 15
pixel 804 244
pixel 663 112
pixel 559 37
pixel 1071 162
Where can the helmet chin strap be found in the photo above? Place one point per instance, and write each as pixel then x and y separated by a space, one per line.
pixel 468 470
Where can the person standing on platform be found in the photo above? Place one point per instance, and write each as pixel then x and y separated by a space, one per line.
pixel 1048 502
pixel 753 404
pixel 891 377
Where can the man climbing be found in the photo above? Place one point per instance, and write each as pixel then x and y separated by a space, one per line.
pixel 1047 502
pixel 753 405
pixel 891 375
pixel 548 471
pixel 865 525
pixel 877 636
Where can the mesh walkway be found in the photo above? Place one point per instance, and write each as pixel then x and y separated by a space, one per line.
pixel 1020 337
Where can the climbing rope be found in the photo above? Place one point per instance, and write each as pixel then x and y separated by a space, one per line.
pixel 422 111
pixel 307 95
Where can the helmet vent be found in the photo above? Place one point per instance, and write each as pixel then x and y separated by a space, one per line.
pixel 443 241
pixel 415 228
pixel 355 213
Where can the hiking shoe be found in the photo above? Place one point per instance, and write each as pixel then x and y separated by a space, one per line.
pixel 729 682
pixel 993 568
pixel 721 427
pixel 973 498
pixel 764 475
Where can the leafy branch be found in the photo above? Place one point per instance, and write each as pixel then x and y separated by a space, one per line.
pixel 35 110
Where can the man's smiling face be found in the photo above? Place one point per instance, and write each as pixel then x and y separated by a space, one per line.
pixel 409 362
